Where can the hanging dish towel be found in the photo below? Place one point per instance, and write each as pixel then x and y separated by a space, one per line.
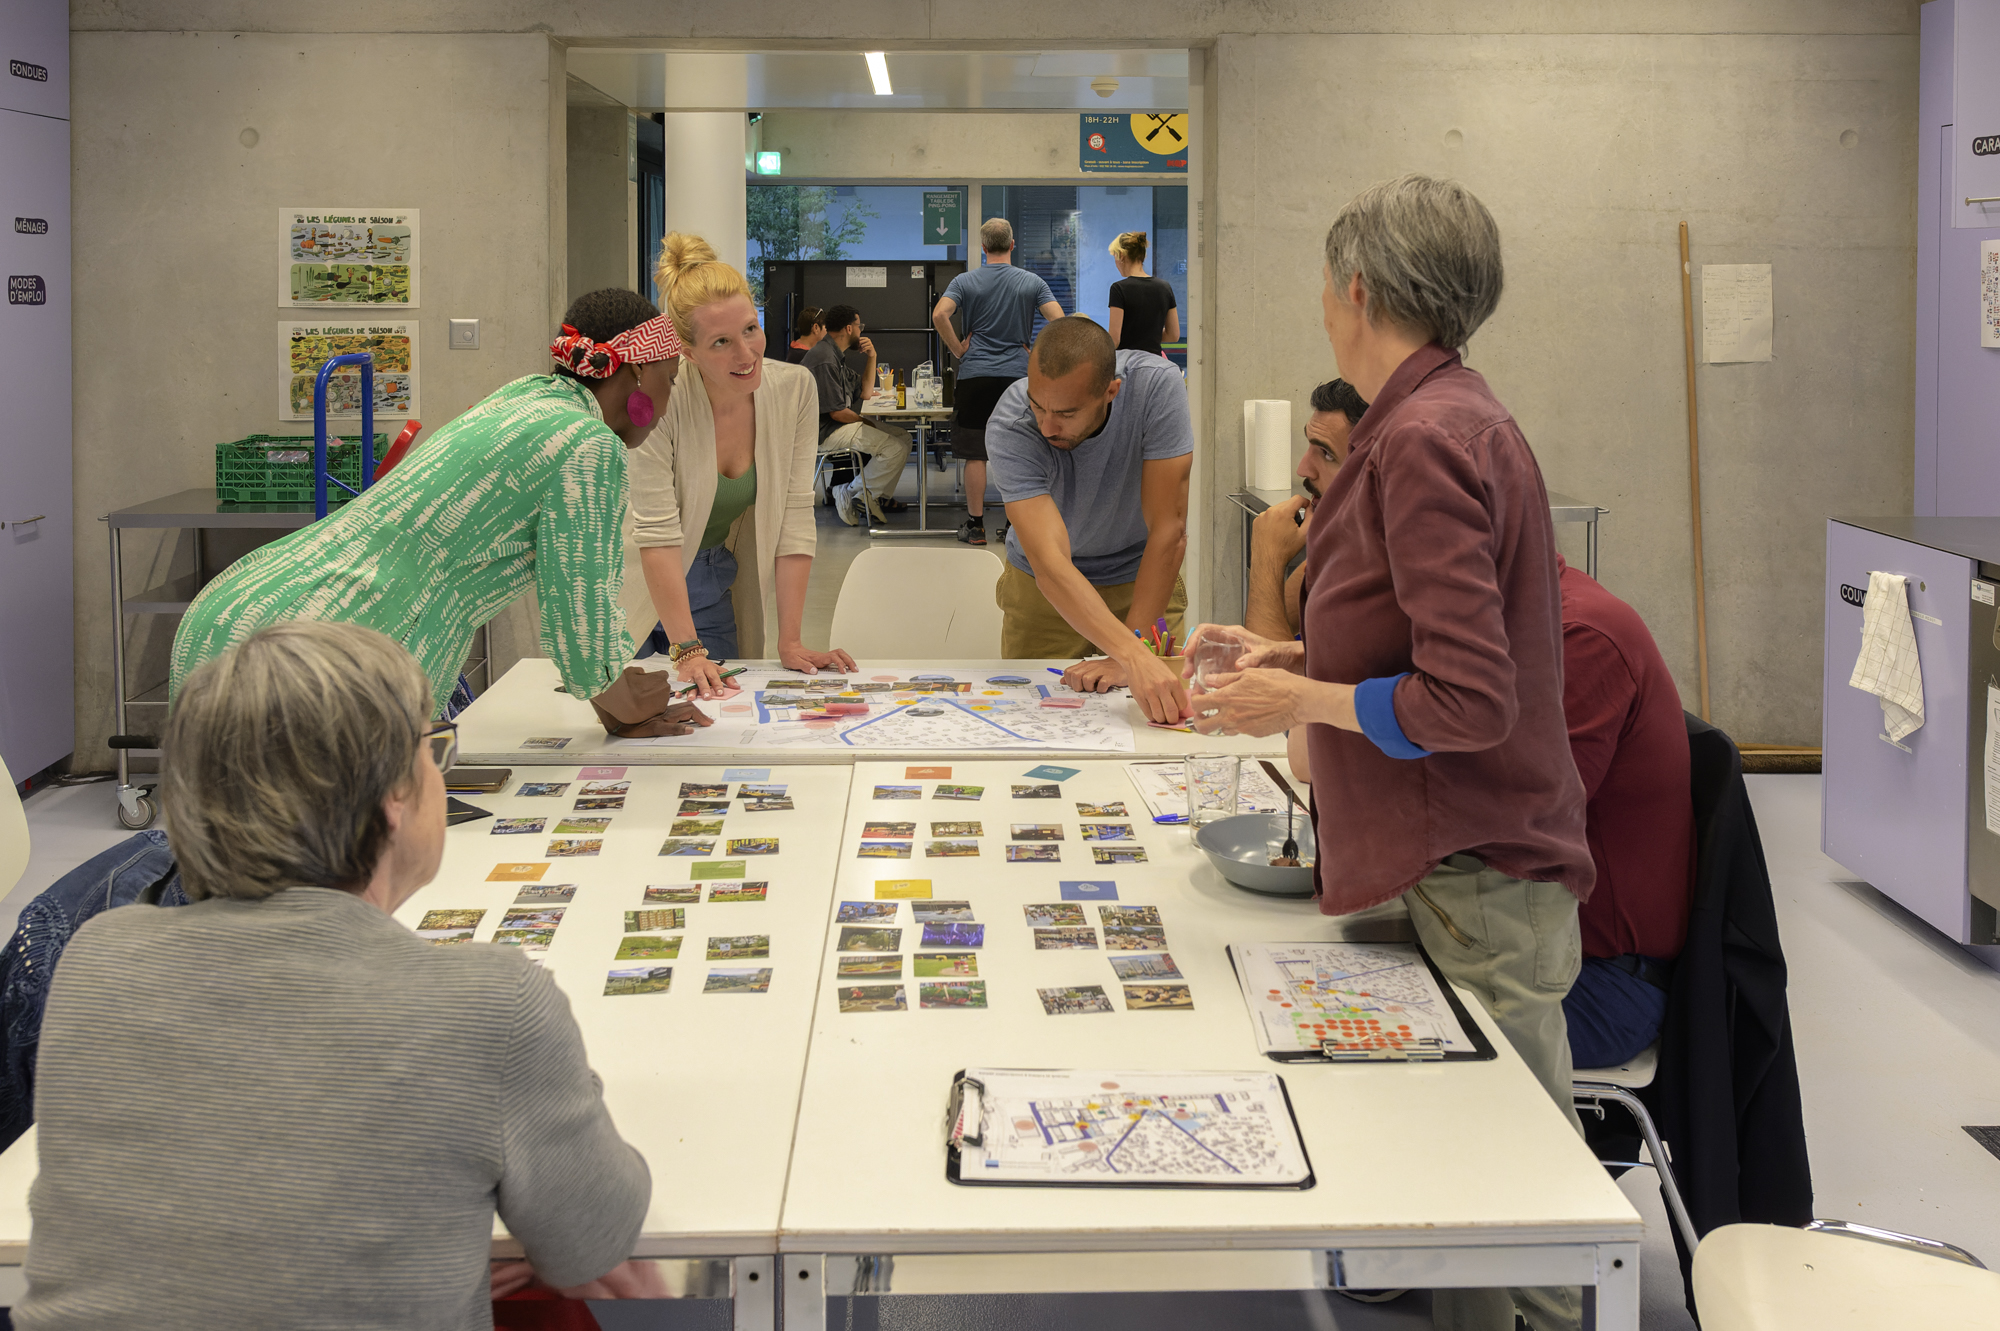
pixel 1887 666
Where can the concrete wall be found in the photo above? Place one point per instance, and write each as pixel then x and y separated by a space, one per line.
pixel 603 245
pixel 1793 151
pixel 925 145
pixel 1590 128
pixel 176 260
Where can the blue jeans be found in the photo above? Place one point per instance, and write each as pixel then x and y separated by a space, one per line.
pixel 710 575
pixel 1613 1014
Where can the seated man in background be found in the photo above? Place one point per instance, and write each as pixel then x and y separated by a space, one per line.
pixel 1278 534
pixel 1091 453
pixel 807 331
pixel 1629 738
pixel 841 428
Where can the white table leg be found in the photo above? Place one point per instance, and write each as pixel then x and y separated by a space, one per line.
pixel 802 1303
pixel 1618 1287
pixel 753 1294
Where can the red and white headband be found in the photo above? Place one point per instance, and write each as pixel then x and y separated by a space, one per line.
pixel 653 340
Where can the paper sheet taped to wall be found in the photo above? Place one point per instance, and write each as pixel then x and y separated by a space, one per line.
pixel 1735 312
pixel 1989 293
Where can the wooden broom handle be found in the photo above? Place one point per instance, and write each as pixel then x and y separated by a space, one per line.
pixel 1694 474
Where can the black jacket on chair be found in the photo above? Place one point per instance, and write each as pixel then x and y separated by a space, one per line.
pixel 1726 1097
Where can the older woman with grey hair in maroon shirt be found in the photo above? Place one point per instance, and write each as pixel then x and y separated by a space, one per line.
pixel 1428 684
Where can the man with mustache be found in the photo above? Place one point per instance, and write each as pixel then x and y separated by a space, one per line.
pixel 1279 533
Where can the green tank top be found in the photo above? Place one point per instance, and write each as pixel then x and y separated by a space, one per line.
pixel 731 498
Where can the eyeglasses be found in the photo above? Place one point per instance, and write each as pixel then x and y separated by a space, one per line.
pixel 442 739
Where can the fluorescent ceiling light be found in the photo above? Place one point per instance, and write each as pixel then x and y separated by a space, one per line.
pixel 878 70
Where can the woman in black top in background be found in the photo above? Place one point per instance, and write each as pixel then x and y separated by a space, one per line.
pixel 1142 308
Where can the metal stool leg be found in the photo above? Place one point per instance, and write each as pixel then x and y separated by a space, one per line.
pixel 1595 1092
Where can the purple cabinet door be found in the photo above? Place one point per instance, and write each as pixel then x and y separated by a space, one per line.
pixel 37 635
pixel 1895 814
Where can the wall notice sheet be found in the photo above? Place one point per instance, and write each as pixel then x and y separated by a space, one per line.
pixel 1735 312
pixel 303 348
pixel 1127 1129
pixel 1352 1002
pixel 347 256
pixel 933 711
pixel 1989 293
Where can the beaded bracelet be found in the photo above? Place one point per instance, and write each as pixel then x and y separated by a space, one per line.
pixel 682 651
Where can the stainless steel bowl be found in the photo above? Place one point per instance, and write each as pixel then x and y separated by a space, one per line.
pixel 1241 849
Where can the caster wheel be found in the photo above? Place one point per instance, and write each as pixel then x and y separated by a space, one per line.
pixel 140 816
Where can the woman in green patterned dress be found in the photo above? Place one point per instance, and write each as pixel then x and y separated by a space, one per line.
pixel 527 489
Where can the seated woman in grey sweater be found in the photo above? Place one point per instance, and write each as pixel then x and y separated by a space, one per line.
pixel 277 1106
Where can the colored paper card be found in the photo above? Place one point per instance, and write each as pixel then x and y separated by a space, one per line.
pixel 926 774
pixel 600 773
pixel 1050 772
pixel 746 774
pixel 716 869
pixel 1089 890
pixel 523 873
pixel 898 889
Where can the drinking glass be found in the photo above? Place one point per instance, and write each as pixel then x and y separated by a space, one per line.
pixel 1211 787
pixel 1215 656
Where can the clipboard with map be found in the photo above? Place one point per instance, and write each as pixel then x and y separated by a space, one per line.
pixel 1353 1003
pixel 1046 1128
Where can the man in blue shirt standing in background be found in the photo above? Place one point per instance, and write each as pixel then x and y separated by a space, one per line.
pixel 1000 303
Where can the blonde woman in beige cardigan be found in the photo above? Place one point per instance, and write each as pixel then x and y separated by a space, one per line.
pixel 726 474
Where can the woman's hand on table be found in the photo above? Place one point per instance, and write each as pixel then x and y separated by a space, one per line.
pixel 1254 702
pixel 1258 652
pixel 704 674
pixel 797 656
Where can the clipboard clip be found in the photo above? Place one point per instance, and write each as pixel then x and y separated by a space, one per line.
pixel 1420 1049
pixel 965 1113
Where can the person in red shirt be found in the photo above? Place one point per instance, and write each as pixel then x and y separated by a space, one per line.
pixel 1629 738
pixel 1429 679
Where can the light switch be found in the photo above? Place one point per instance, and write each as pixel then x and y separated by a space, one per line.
pixel 465 334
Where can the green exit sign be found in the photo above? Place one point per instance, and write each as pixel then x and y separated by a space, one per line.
pixel 944 217
pixel 770 163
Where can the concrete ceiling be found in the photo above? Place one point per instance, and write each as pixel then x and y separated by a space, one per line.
pixel 929 80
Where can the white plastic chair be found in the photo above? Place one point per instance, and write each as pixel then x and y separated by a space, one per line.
pixel 919 603
pixel 13 833
pixel 1832 1276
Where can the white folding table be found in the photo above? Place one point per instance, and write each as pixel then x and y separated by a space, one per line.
pixel 1442 1174
pixel 527 702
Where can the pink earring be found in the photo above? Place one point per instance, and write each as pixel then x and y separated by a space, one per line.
pixel 640 408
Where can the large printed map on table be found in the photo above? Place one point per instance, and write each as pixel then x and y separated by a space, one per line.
pixel 946 711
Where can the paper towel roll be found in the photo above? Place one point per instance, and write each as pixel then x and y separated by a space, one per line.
pixel 1267 443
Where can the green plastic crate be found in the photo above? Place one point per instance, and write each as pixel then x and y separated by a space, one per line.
pixel 278 469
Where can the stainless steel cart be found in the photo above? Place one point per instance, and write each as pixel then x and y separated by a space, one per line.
pixel 201 512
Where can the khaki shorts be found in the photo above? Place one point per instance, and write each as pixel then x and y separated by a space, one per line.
pixel 1032 629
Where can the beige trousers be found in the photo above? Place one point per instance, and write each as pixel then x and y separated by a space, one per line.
pixel 1516 946
pixel 1031 629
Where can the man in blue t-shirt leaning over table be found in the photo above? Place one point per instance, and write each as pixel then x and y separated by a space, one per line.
pixel 1000 303
pixel 1092 453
